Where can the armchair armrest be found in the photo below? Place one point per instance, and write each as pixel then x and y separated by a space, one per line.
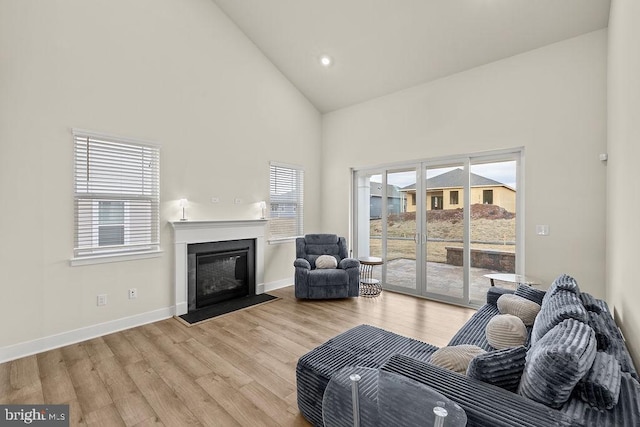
pixel 302 263
pixel 349 263
pixel 484 404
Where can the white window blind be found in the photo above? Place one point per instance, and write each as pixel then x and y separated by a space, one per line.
pixel 286 196
pixel 116 195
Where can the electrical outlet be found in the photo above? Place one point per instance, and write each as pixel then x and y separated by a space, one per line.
pixel 133 293
pixel 237 200
pixel 215 200
pixel 102 299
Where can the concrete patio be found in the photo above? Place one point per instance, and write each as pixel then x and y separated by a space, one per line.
pixel 442 279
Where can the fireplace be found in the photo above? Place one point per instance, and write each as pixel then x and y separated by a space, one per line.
pixel 220 271
pixel 187 233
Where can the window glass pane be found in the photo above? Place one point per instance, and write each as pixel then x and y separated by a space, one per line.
pixel 111 212
pixel 117 195
pixel 286 199
pixel 493 223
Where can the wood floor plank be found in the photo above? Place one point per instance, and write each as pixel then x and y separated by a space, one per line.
pixel 97 349
pixel 218 364
pixel 243 410
pixel 176 353
pixel 5 381
pixel 122 348
pixel 162 399
pixel 107 416
pixel 24 379
pixel 76 417
pixel 128 400
pixel 90 390
pixel 235 370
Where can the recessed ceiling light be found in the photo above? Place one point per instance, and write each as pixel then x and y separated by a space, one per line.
pixel 326 60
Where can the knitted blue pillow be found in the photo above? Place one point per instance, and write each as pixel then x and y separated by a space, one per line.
pixel 563 282
pixel 561 305
pixel 530 293
pixel 502 368
pixel 557 362
pixel 600 388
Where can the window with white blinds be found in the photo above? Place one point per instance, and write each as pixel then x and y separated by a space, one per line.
pixel 286 197
pixel 116 195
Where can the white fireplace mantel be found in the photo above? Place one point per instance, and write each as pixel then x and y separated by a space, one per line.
pixel 189 232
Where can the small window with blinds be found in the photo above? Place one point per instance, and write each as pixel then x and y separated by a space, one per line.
pixel 116 196
pixel 286 197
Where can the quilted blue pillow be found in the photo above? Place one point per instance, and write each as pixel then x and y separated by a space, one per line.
pixel 590 302
pixel 560 306
pixel 600 388
pixel 557 362
pixel 530 293
pixel 502 368
pixel 563 282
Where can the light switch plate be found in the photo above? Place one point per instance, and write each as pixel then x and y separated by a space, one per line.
pixel 542 230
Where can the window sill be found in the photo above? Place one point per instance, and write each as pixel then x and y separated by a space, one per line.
pixel 102 259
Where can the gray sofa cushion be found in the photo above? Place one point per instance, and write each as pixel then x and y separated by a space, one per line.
pixel 625 413
pixel 563 282
pixel 557 362
pixel 600 388
pixel 530 293
pixel 496 292
pixel 502 368
pixel 560 306
pixel 604 335
pixel 590 302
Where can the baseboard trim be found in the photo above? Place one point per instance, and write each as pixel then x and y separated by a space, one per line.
pixel 28 348
pixel 272 286
pixel 39 345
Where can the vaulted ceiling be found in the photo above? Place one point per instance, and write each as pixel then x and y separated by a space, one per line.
pixel 382 46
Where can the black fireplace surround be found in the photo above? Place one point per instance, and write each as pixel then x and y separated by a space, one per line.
pixel 220 271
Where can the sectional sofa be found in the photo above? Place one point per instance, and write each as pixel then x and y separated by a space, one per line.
pixel 572 369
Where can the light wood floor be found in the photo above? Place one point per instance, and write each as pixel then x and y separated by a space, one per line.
pixel 237 369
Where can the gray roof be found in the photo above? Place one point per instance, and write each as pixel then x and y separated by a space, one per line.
pixel 454 179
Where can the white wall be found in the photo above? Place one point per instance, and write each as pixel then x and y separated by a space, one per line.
pixel 175 72
pixel 552 101
pixel 623 201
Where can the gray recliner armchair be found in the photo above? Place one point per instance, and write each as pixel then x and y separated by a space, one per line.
pixel 315 283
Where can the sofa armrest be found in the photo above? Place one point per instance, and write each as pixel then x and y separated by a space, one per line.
pixel 349 263
pixel 302 263
pixel 496 292
pixel 484 404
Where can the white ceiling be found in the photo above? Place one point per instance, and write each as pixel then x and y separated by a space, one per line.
pixel 382 46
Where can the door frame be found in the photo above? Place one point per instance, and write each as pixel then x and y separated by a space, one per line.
pixel 421 289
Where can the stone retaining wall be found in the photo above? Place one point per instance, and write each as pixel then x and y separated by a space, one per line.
pixel 490 259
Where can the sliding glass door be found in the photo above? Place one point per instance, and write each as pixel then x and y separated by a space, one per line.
pixel 444 188
pixel 401 234
pixel 441 226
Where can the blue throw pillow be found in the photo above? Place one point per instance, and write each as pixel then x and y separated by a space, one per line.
pixel 563 282
pixel 600 388
pixel 530 293
pixel 502 368
pixel 560 306
pixel 557 362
